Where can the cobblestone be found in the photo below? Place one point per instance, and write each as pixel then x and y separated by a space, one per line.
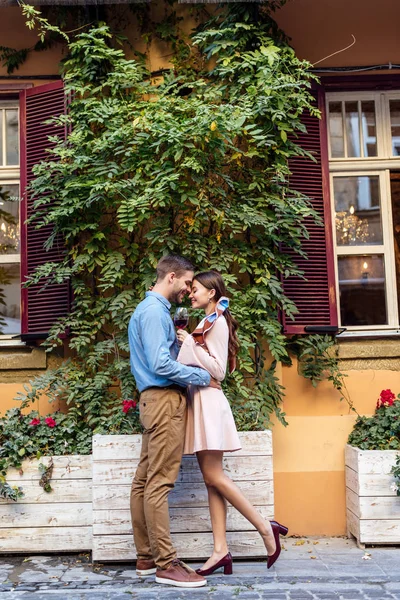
pixel 338 571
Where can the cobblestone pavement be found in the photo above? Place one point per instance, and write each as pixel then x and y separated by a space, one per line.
pixel 313 569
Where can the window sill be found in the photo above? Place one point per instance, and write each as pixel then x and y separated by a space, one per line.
pixel 6 342
pixel 372 334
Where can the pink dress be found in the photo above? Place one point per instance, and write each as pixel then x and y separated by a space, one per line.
pixel 210 424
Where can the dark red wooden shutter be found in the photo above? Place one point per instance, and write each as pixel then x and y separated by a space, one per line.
pixel 40 305
pixel 314 297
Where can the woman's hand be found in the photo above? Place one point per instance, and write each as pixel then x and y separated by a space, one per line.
pixel 181 334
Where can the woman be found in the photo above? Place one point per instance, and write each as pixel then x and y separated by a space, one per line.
pixel 210 428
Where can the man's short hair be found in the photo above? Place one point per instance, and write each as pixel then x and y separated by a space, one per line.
pixel 173 263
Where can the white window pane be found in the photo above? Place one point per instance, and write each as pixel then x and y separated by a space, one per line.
pixel 352 129
pixel 10 314
pixel 1 138
pixel 395 126
pixel 362 290
pixel 357 210
pixel 12 137
pixel 369 128
pixel 9 218
pixel 336 135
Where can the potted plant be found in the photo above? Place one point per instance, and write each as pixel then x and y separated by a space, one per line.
pixel 373 474
pixel 46 475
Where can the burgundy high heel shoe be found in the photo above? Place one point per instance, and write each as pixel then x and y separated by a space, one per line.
pixel 277 529
pixel 225 562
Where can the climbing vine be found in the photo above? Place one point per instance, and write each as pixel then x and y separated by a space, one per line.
pixel 196 164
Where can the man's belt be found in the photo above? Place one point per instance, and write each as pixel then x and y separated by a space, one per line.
pixel 177 388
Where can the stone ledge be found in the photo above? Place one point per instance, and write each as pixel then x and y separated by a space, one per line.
pixel 373 364
pixel 22 359
pixel 369 349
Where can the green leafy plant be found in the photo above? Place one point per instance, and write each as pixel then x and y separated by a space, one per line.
pixel 382 430
pixel 29 435
pixel 196 165
pixel 396 472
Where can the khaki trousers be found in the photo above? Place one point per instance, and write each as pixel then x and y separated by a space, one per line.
pixel 163 414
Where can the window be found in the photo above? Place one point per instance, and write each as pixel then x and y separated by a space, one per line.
pixel 364 165
pixel 10 322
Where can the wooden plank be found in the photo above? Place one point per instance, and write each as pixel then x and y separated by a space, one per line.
pixel 373 507
pixel 351 457
pixel 353 502
pixel 382 531
pixel 370 462
pixel 118 522
pixel 109 447
pixel 376 485
pixel 65 467
pixel 369 484
pixel 46 515
pixel 184 495
pixel 352 480
pixel 75 490
pixel 353 524
pixel 375 462
pixel 45 539
pixel 121 472
pixel 188 545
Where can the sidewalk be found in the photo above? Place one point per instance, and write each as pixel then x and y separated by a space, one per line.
pixel 309 568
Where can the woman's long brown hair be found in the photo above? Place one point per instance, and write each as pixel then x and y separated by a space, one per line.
pixel 212 280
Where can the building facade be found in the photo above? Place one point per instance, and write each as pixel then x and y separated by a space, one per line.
pixel 353 271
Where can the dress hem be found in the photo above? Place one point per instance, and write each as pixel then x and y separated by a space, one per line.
pixel 211 449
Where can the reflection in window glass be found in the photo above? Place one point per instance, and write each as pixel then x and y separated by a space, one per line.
pixel 395 125
pixel 9 219
pixel 352 129
pixel 369 128
pixel 362 290
pixel 12 136
pixel 10 299
pixel 357 210
pixel 336 129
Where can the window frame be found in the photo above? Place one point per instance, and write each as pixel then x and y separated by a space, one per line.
pixel 379 165
pixel 11 175
pixel 385 249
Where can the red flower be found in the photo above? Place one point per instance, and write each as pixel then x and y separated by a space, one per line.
pixel 127 405
pixel 34 422
pixel 50 422
pixel 386 398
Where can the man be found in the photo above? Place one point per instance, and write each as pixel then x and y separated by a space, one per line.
pixel 161 382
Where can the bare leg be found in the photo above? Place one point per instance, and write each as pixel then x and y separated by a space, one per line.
pixel 217 506
pixel 210 462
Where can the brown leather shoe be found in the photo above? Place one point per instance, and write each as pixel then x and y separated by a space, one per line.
pixel 180 575
pixel 144 567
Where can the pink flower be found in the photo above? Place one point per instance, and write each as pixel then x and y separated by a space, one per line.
pixel 127 405
pixel 386 398
pixel 50 422
pixel 35 422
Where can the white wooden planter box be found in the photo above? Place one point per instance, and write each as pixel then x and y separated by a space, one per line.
pixel 373 508
pixel 115 458
pixel 46 522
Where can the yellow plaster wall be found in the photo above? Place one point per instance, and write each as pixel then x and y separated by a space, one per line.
pixel 309 453
pixel 8 393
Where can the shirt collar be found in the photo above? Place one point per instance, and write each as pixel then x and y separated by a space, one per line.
pixel 160 297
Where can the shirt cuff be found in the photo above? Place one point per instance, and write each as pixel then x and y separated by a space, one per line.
pixel 208 379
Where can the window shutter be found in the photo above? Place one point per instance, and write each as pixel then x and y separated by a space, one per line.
pixel 315 297
pixel 40 306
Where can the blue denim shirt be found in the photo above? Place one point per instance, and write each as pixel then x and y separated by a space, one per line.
pixel 154 347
